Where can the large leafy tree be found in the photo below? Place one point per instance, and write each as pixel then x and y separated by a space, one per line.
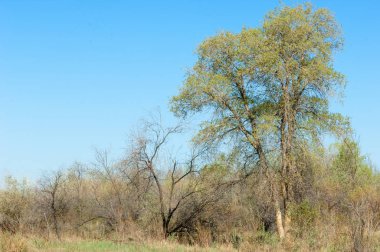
pixel 269 88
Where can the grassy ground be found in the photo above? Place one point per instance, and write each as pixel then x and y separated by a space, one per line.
pixel 38 245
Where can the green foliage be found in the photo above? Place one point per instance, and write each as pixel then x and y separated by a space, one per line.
pixel 350 168
pixel 303 216
pixel 236 240
pixel 268 238
pixel 247 80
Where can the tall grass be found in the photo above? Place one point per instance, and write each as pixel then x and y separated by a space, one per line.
pixel 13 243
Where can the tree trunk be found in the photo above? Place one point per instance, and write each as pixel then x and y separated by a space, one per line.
pixel 55 220
pixel 279 222
pixel 273 183
pixel 56 227
pixel 287 164
pixel 287 223
pixel 165 228
pixel 165 221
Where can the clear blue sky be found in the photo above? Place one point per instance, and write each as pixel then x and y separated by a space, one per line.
pixel 75 75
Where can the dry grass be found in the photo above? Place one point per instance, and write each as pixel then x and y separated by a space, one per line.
pixel 263 242
pixel 40 245
pixel 13 243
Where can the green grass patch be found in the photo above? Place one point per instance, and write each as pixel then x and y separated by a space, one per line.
pixel 87 246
